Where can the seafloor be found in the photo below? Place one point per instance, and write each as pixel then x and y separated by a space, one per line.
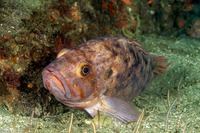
pixel 32 32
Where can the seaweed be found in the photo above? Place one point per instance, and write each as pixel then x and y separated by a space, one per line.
pixel 12 78
pixel 3 54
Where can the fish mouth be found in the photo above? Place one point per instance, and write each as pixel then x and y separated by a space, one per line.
pixel 56 83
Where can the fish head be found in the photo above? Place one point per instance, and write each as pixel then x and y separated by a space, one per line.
pixel 75 78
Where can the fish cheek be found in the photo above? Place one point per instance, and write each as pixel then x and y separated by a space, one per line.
pixel 91 80
pixel 88 84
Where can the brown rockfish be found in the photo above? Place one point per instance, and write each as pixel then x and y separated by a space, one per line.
pixel 102 75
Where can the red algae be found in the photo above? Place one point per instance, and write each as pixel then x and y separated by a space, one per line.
pixel 11 77
pixel 3 54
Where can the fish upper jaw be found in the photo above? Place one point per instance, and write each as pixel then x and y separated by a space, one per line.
pixel 55 82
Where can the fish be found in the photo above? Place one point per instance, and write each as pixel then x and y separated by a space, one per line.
pixel 103 74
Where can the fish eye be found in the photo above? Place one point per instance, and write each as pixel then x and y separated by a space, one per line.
pixel 83 69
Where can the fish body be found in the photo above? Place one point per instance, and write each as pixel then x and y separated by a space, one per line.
pixel 102 75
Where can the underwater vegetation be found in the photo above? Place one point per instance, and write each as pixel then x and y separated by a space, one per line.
pixel 11 78
pixel 194 31
pixel 32 32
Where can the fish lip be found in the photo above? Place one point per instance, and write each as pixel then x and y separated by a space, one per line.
pixel 51 70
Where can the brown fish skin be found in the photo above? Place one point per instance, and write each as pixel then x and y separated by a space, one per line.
pixel 103 74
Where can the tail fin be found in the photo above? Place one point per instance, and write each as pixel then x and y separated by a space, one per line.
pixel 160 64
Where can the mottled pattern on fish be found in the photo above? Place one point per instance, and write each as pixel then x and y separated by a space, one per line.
pixel 119 70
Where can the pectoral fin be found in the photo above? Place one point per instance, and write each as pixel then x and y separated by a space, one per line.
pixel 117 108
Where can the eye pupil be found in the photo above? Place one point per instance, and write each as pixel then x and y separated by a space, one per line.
pixel 85 70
